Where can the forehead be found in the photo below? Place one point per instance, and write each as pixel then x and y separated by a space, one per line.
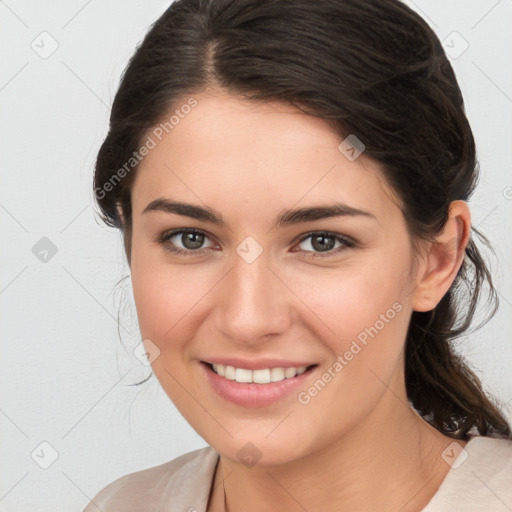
pixel 228 152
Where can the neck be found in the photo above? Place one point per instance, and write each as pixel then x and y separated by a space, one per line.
pixel 388 465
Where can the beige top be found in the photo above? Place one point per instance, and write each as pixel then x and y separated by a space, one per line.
pixel 480 479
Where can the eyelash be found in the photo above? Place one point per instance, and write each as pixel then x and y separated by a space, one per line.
pixel 163 239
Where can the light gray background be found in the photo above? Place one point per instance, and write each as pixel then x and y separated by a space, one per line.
pixel 64 373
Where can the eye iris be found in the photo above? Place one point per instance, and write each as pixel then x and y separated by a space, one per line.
pixel 322 245
pixel 196 240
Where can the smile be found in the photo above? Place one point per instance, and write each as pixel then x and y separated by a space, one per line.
pixel 255 388
pixel 263 376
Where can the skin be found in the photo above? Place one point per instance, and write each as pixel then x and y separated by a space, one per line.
pixel 357 445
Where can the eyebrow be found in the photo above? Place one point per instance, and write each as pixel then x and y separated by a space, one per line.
pixel 286 218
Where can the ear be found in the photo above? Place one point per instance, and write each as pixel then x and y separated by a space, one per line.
pixel 119 210
pixel 443 260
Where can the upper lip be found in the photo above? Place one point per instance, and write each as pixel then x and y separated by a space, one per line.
pixel 257 364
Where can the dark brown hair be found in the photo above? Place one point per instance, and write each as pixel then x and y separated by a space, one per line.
pixel 372 68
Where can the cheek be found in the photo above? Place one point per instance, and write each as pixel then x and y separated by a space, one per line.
pixel 347 301
pixel 170 302
pixel 164 296
pixel 167 298
pixel 361 314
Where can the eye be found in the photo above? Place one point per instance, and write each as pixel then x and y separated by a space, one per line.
pixel 191 240
pixel 324 242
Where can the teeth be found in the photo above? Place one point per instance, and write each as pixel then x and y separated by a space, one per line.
pixel 242 375
pixel 263 376
pixel 277 374
pixel 290 372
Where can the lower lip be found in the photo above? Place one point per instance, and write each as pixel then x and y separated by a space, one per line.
pixel 251 394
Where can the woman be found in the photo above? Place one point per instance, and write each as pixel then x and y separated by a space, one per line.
pixel 291 181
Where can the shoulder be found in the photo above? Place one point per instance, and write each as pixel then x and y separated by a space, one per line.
pixel 185 480
pixel 480 478
pixel 489 459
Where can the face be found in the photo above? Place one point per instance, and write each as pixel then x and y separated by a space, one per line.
pixel 330 291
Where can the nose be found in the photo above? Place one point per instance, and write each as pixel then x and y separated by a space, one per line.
pixel 253 302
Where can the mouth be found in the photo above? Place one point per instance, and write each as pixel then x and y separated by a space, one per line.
pixel 261 376
pixel 256 388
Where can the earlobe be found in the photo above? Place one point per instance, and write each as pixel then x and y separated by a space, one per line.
pixel 444 259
